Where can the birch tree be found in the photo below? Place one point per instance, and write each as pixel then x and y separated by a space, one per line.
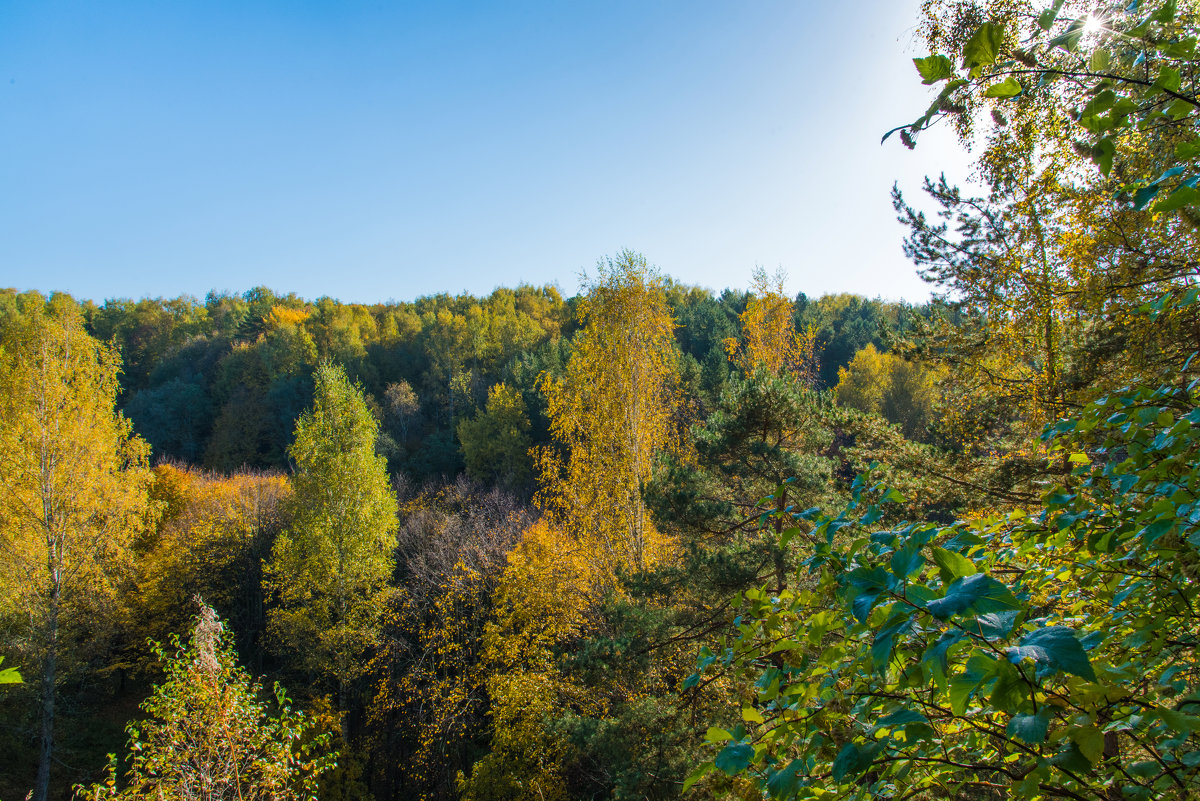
pixel 73 484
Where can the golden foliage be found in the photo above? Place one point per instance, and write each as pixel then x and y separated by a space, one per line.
pixel 769 335
pixel 542 601
pixel 73 486
pixel 613 413
pixel 211 539
pixel 903 392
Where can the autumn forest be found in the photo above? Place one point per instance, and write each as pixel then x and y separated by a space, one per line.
pixel 653 541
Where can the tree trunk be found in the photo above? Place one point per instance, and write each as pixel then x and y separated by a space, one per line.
pixel 42 788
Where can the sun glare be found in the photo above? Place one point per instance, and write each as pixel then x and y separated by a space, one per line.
pixel 1092 26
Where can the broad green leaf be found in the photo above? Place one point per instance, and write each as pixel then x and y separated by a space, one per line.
pixel 1047 18
pixel 1186 151
pixel 979 592
pixel 1056 647
pixel 1184 49
pixel 1168 79
pixel 936 654
pixel 906 561
pixel 1071 758
pixel 715 735
pixel 952 565
pixel 881 646
pixel 983 47
pixel 978 668
pixel 1143 196
pixel 1167 13
pixel 751 715
pixel 1179 721
pixel 734 758
pixel 1090 741
pixel 1069 39
pixel 1030 728
pixel 1009 87
pixel 1180 109
pixel 1182 196
pixel 786 782
pixel 994 625
pixel 901 717
pixel 1010 689
pixel 934 68
pixel 853 760
pixel 1102 155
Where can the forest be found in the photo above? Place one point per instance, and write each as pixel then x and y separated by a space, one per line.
pixel 652 541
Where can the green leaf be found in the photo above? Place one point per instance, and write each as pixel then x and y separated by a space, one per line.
pixel 1102 155
pixel 983 47
pixel 696 775
pixel 934 68
pixel 1010 690
pixel 881 646
pixel 994 625
pixel 1186 151
pixel 1182 196
pixel 1090 741
pixel 1069 39
pixel 901 717
pixel 1178 721
pixel 715 735
pixel 734 758
pixel 1071 758
pixel 1030 728
pixel 906 561
pixel 1056 647
pixel 952 565
pixel 1168 79
pixel 787 782
pixel 1184 49
pixel 1143 196
pixel 936 654
pixel 853 760
pixel 1009 87
pixel 1180 109
pixel 1047 18
pixel 751 715
pixel 978 668
pixel 979 592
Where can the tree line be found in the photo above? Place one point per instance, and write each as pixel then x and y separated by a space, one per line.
pixel 360 557
pixel 651 540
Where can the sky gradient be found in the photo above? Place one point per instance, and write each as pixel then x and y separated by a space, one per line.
pixel 375 151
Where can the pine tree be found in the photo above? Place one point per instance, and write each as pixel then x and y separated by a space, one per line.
pixel 73 483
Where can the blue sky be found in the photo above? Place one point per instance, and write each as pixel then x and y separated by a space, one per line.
pixel 385 150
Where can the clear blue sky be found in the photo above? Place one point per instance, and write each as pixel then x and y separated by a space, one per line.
pixel 386 150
